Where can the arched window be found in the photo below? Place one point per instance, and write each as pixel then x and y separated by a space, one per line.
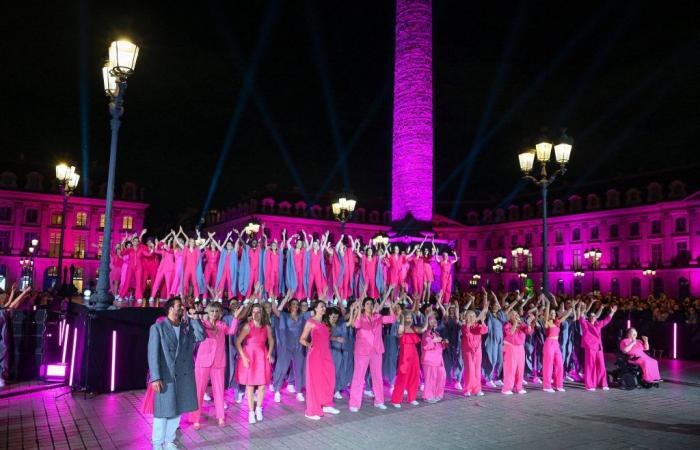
pixel 574 204
pixel 655 192
pixel 592 202
pixel 612 198
pixel 677 190
pixel 513 212
pixel 557 207
pixel 527 211
pixel 633 197
pixel 658 286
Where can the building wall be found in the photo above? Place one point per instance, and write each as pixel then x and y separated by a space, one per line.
pixel 28 215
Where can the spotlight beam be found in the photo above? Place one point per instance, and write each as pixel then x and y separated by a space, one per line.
pixel 84 94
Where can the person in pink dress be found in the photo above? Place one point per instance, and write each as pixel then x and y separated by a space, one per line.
pixel 211 264
pixel 408 369
pixel 552 361
pixel 446 264
pixel 514 334
pixel 165 273
pixel 369 347
pixel 635 349
pixel 272 266
pixel 210 364
pixel 150 263
pixel 255 344
pixel 115 268
pixel 594 373
pixel 434 374
pixel 315 271
pixel 472 328
pixel 320 371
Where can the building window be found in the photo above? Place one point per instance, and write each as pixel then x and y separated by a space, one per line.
pixel 682 254
pixel 31 216
pixel 513 240
pixel 100 239
pixel 558 237
pixel 78 274
pixel 102 220
pixel 614 231
pixel 594 233
pixel 636 287
pixel 472 263
pixel 5 213
pixel 56 218
pixel 634 256
pixel 528 239
pixel 655 227
pixel 560 259
pixel 127 223
pixel 54 243
pixel 79 250
pixel 4 242
pixel 577 259
pixel 81 219
pixel 656 255
pixel 634 229
pixel 680 225
pixel 615 287
pixel 576 234
pixel 614 257
pixel 487 244
pixel 472 244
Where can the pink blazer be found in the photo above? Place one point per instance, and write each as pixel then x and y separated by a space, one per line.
pixel 590 339
pixel 212 350
pixel 368 335
pixel 432 351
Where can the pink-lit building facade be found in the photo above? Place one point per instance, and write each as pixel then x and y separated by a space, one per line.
pixel 29 213
pixel 634 230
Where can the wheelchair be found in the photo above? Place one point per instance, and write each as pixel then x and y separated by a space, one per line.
pixel 628 375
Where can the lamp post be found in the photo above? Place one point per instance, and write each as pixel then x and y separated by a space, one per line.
pixel 342 211
pixel 32 249
pixel 121 64
pixel 650 274
pixel 499 263
pixel 594 256
pixel 543 152
pixel 67 183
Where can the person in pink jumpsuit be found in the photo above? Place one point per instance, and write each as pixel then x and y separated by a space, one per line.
pixel 115 268
pixel 125 267
pixel 273 271
pixel 190 259
pixel 297 255
pixel 408 368
pixel 134 274
pixel 417 271
pixel 175 287
pixel 165 273
pixel 369 347
pixel 446 264
pixel 149 261
pixel 211 264
pixel 315 272
pixel 434 374
pixel 472 328
pixel 552 361
pixel 514 333
pixel 428 275
pixel 253 265
pixel 320 370
pixel 254 368
pixel 369 266
pixel 348 284
pixel 210 363
pixel 227 277
pixel 594 373
pixel 635 349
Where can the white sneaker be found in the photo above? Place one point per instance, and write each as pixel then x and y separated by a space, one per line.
pixel 415 403
pixel 151 303
pixel 396 405
pixel 170 446
pixel 479 394
pixel 338 395
pixel 300 397
pixel 605 388
pixel 491 384
pixel 207 398
pixel 507 393
pixel 499 383
pixel 536 380
pixel 422 387
pixel 2 382
pixel 467 394
pixel 522 391
pixel 369 394
pixel 561 389
pixel 380 405
pixel 433 400
pixel 568 378
pixel 313 417
pixel 290 389
pixel 239 397
pixel 524 381
pixel 391 388
pixel 590 389
pixel 353 409
pixel 277 397
pixel 225 406
pixel 258 414
pixel 139 301
pixel 458 386
pixel 551 391
pixel 330 410
pixel 251 417
pixel 272 387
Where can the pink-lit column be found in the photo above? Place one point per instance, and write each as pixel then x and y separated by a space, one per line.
pixel 412 158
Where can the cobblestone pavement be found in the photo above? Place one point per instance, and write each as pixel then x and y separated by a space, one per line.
pixel 668 417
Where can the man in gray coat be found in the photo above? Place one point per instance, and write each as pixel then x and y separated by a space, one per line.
pixel 170 361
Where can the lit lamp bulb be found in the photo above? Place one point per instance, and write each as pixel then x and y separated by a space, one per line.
pixel 526 159
pixel 543 151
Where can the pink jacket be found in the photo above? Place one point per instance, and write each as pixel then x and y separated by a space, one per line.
pixel 471 336
pixel 590 339
pixel 518 338
pixel 432 351
pixel 368 335
pixel 212 350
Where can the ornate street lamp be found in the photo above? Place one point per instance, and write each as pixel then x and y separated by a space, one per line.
pixel 499 264
pixel 543 152
pixel 67 183
pixel 594 256
pixel 474 282
pixel 122 61
pixel 342 211
pixel 650 273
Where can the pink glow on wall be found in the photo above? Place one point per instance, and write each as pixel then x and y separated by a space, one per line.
pixel 675 335
pixel 65 343
pixel 114 360
pixel 412 166
pixel 72 357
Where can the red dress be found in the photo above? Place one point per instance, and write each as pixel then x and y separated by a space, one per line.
pixel 258 372
pixel 320 371
pixel 408 370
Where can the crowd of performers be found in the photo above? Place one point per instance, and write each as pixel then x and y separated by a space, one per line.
pixel 178 265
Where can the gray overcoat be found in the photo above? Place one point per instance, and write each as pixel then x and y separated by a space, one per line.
pixel 173 365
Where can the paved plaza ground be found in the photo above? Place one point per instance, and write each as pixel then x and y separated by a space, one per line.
pixel 668 417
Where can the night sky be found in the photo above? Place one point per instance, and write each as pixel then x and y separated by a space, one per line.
pixel 624 77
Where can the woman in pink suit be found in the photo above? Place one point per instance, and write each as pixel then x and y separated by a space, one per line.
pixel 134 271
pixel 179 240
pixel 254 256
pixel 472 328
pixel 228 271
pixel 514 334
pixel 417 271
pixel 552 361
pixel 635 349
pixel 210 363
pixel 369 265
pixel 434 374
pixel 190 258
pixel 211 264
pixel 594 373
pixel 369 347
pixel 315 272
pixel 115 268
pixel 350 266
pixel 149 261
pixel 320 371
pixel 165 273
pixel 428 275
pixel 272 268
pixel 446 274
pixel 255 344
pixel 297 255
pixel 408 369
pixel 125 254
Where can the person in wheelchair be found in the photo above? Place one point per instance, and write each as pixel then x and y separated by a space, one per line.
pixel 634 350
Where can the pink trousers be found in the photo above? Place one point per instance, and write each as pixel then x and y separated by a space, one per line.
pixel 316 279
pixel 202 376
pixel 434 382
pixel 374 361
pixel 162 277
pixel 552 364
pixel 209 278
pixel 225 284
pixel 513 367
pixel 190 276
pixel 134 277
pixel 594 373
pixel 471 375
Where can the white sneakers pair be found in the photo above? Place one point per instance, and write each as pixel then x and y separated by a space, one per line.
pixel 326 410
pixel 256 416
